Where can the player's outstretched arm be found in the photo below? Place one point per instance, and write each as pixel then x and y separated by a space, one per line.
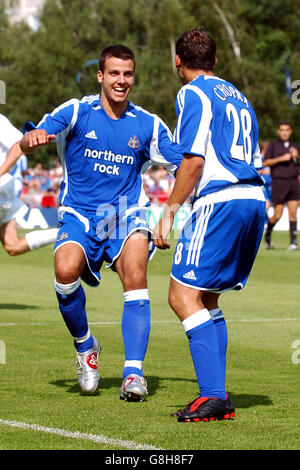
pixel 32 140
pixel 187 176
pixel 11 159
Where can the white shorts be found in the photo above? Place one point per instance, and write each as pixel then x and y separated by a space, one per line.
pixel 10 204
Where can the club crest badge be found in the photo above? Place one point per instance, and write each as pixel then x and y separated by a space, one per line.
pixel 134 142
pixel 63 236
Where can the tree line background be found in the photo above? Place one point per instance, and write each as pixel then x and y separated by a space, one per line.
pixel 256 40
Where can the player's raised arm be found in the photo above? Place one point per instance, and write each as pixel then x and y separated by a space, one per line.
pixel 34 139
pixel 161 151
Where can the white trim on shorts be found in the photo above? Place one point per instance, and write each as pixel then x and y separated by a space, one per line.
pixel 234 191
pixel 238 286
pixel 145 229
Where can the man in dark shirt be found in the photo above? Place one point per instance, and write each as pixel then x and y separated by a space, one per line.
pixel 283 158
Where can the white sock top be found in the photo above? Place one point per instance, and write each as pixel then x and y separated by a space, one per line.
pixel 138 294
pixel 196 319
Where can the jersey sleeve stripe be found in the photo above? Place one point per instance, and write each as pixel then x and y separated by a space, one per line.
pixel 180 101
pixel 199 145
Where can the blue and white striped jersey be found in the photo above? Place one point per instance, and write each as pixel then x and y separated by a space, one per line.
pixel 103 158
pixel 217 122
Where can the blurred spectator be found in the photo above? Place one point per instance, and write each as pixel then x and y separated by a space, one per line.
pixel 48 199
pixel 40 186
pixel 56 173
pixel 158 184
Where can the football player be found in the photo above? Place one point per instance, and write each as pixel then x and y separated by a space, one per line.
pixel 10 204
pixel 104 141
pixel 217 132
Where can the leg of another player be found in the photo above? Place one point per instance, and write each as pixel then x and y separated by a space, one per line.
pixel 131 267
pixel 292 210
pixel 192 307
pixel 14 245
pixel 69 261
pixel 278 210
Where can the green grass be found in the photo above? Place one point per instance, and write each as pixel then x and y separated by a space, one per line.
pixel 38 382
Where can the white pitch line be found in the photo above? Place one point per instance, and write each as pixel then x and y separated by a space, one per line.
pixel 235 320
pixel 99 439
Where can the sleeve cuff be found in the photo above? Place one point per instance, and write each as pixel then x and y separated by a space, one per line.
pixel 29 126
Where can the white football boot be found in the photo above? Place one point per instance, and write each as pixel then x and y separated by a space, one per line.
pixel 87 369
pixel 134 388
pixel 293 247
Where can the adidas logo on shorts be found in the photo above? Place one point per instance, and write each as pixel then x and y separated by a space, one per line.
pixel 190 275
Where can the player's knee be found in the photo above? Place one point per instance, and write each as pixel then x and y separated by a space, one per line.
pixel 179 300
pixel 135 279
pixel 66 273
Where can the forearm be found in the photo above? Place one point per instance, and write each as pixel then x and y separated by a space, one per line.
pixel 187 176
pixel 274 161
pixel 11 159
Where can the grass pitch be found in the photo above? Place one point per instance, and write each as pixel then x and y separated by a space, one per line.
pixel 38 382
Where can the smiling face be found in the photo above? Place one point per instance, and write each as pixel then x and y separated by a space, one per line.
pixel 116 80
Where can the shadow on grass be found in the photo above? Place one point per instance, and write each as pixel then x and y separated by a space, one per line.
pixel 72 386
pixel 240 400
pixel 244 400
pixel 153 381
pixel 17 307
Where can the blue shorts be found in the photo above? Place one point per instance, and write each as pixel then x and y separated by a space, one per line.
pixel 220 240
pixel 101 237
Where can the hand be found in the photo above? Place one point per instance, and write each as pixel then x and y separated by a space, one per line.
pixel 39 137
pixel 162 230
pixel 34 139
pixel 286 157
pixel 294 152
pixel 295 156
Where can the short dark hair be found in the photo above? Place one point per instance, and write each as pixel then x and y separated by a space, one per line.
pixel 284 123
pixel 196 49
pixel 116 50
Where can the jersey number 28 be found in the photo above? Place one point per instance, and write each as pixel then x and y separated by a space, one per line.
pixel 241 121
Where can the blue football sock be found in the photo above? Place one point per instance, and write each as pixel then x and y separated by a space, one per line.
pixel 222 334
pixel 204 348
pixel 72 307
pixel 135 330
